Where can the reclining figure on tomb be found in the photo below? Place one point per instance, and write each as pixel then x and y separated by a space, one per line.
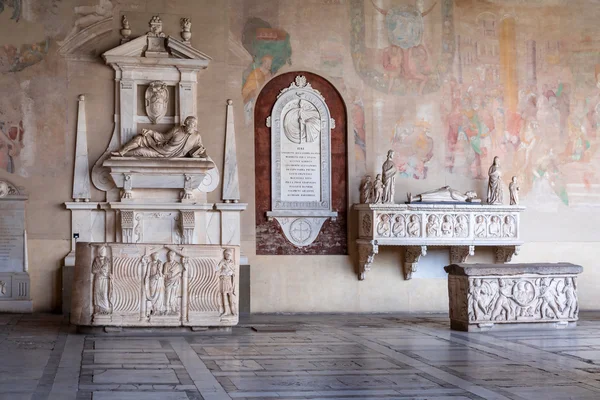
pixel 444 194
pixel 180 141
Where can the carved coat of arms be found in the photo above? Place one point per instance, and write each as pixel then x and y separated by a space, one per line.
pixel 157 101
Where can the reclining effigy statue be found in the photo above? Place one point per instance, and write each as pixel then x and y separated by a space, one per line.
pixel 444 194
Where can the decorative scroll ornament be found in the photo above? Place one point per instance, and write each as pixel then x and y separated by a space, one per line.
pixel 300 83
pixel 157 101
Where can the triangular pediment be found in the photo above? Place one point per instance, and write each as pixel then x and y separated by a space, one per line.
pixel 179 53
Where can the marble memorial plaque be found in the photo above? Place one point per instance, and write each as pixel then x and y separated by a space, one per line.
pixel 12 227
pixel 301 162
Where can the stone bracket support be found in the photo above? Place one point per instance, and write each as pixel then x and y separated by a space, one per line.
pixel 504 254
pixel 366 254
pixel 412 255
pixel 459 254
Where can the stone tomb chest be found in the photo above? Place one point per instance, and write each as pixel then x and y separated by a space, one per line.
pixel 486 296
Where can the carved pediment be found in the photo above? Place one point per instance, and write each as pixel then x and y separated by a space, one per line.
pixel 177 53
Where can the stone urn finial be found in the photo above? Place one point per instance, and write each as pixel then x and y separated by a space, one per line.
pixel 125 28
pixel 186 29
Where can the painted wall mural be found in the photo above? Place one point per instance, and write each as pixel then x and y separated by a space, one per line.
pixel 15 59
pixel 11 144
pixel 413 147
pixel 270 49
pixel 399 48
pixel 529 96
pixel 16 5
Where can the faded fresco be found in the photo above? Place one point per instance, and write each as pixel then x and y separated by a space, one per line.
pixel 270 49
pixel 529 95
pixel 15 5
pixel 402 47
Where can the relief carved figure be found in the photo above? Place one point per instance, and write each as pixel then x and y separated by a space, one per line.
pixel 480 226
pixel 154 285
pixel 365 190
pixel 548 300
pixel 172 272
pixel 377 194
pixel 503 306
pixel 494 228
pixel 383 226
pixel 302 123
pixel 462 228
pixel 509 229
pixel 226 271
pixel 433 226
pixel 157 101
pixel 478 297
pixel 388 172
pixel 414 226
pixel 570 307
pixel 444 194
pixel 398 226
pixel 447 226
pixel 180 141
pixel 101 268
pixel 494 194
pixel 514 191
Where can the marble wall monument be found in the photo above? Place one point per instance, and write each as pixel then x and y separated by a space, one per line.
pixel 14 278
pixel 156 174
pixel 301 126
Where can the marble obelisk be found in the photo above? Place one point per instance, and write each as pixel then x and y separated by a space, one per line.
pixel 231 184
pixel 81 173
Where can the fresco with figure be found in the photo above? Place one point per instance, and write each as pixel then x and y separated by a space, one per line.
pixel 527 94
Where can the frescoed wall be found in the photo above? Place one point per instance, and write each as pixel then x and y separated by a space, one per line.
pixel 447 84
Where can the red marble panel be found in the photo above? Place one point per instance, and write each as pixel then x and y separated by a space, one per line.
pixel 270 239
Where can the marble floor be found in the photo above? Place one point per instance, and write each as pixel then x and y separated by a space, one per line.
pixel 319 357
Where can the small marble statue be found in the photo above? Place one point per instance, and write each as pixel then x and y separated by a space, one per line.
pixel 186 29
pixel 154 285
pixel 444 194
pixel 494 194
pixel 388 172
pixel 180 141
pixel 172 271
pixel 102 274
pixel 377 193
pixel 125 28
pixel 365 190
pixel 514 192
pixel 226 270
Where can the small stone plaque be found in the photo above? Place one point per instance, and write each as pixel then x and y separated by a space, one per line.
pixel 12 228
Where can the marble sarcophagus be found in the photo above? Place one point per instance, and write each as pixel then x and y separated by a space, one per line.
pixel 142 285
pixel 485 296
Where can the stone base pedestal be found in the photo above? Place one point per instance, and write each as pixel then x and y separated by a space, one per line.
pixel 14 292
pixel 512 296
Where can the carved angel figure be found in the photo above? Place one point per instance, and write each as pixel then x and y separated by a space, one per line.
pixel 377 195
pixel 414 226
pixel 181 141
pixel 154 285
pixel 398 226
pixel 226 270
pixel 494 194
pixel 433 226
pixel 365 190
pixel 101 268
pixel 172 271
